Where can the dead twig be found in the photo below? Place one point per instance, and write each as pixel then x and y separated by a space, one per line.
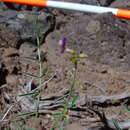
pixel 45 82
pixel 110 99
pixel 121 124
pixel 7 112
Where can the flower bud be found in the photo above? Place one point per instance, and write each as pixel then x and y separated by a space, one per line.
pixel 82 56
pixel 70 51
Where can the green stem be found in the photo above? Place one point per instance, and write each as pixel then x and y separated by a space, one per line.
pixel 40 65
pixel 73 83
pixel 40 73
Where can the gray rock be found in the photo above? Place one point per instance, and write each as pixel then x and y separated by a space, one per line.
pixel 121 4
pixel 106 2
pixel 91 2
pixel 18 7
pixel 23 25
pixel 103 37
pixel 98 2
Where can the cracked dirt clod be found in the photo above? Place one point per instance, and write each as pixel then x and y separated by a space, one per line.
pixel 8 38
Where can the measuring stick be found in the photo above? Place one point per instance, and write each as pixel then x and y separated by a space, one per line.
pixel 121 13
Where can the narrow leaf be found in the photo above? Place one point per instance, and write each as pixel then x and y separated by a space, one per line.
pixel 44 71
pixel 31 44
pixel 41 40
pixel 61 103
pixel 28 94
pixel 38 40
pixel 126 107
pixel 31 75
pixel 58 115
pixel 26 114
pixel 116 124
pixel 32 58
pixel 75 98
pixel 61 128
pixel 43 56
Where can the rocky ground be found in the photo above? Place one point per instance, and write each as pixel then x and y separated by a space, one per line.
pixel 104 38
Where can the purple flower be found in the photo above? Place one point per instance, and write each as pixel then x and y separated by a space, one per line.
pixel 62 44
